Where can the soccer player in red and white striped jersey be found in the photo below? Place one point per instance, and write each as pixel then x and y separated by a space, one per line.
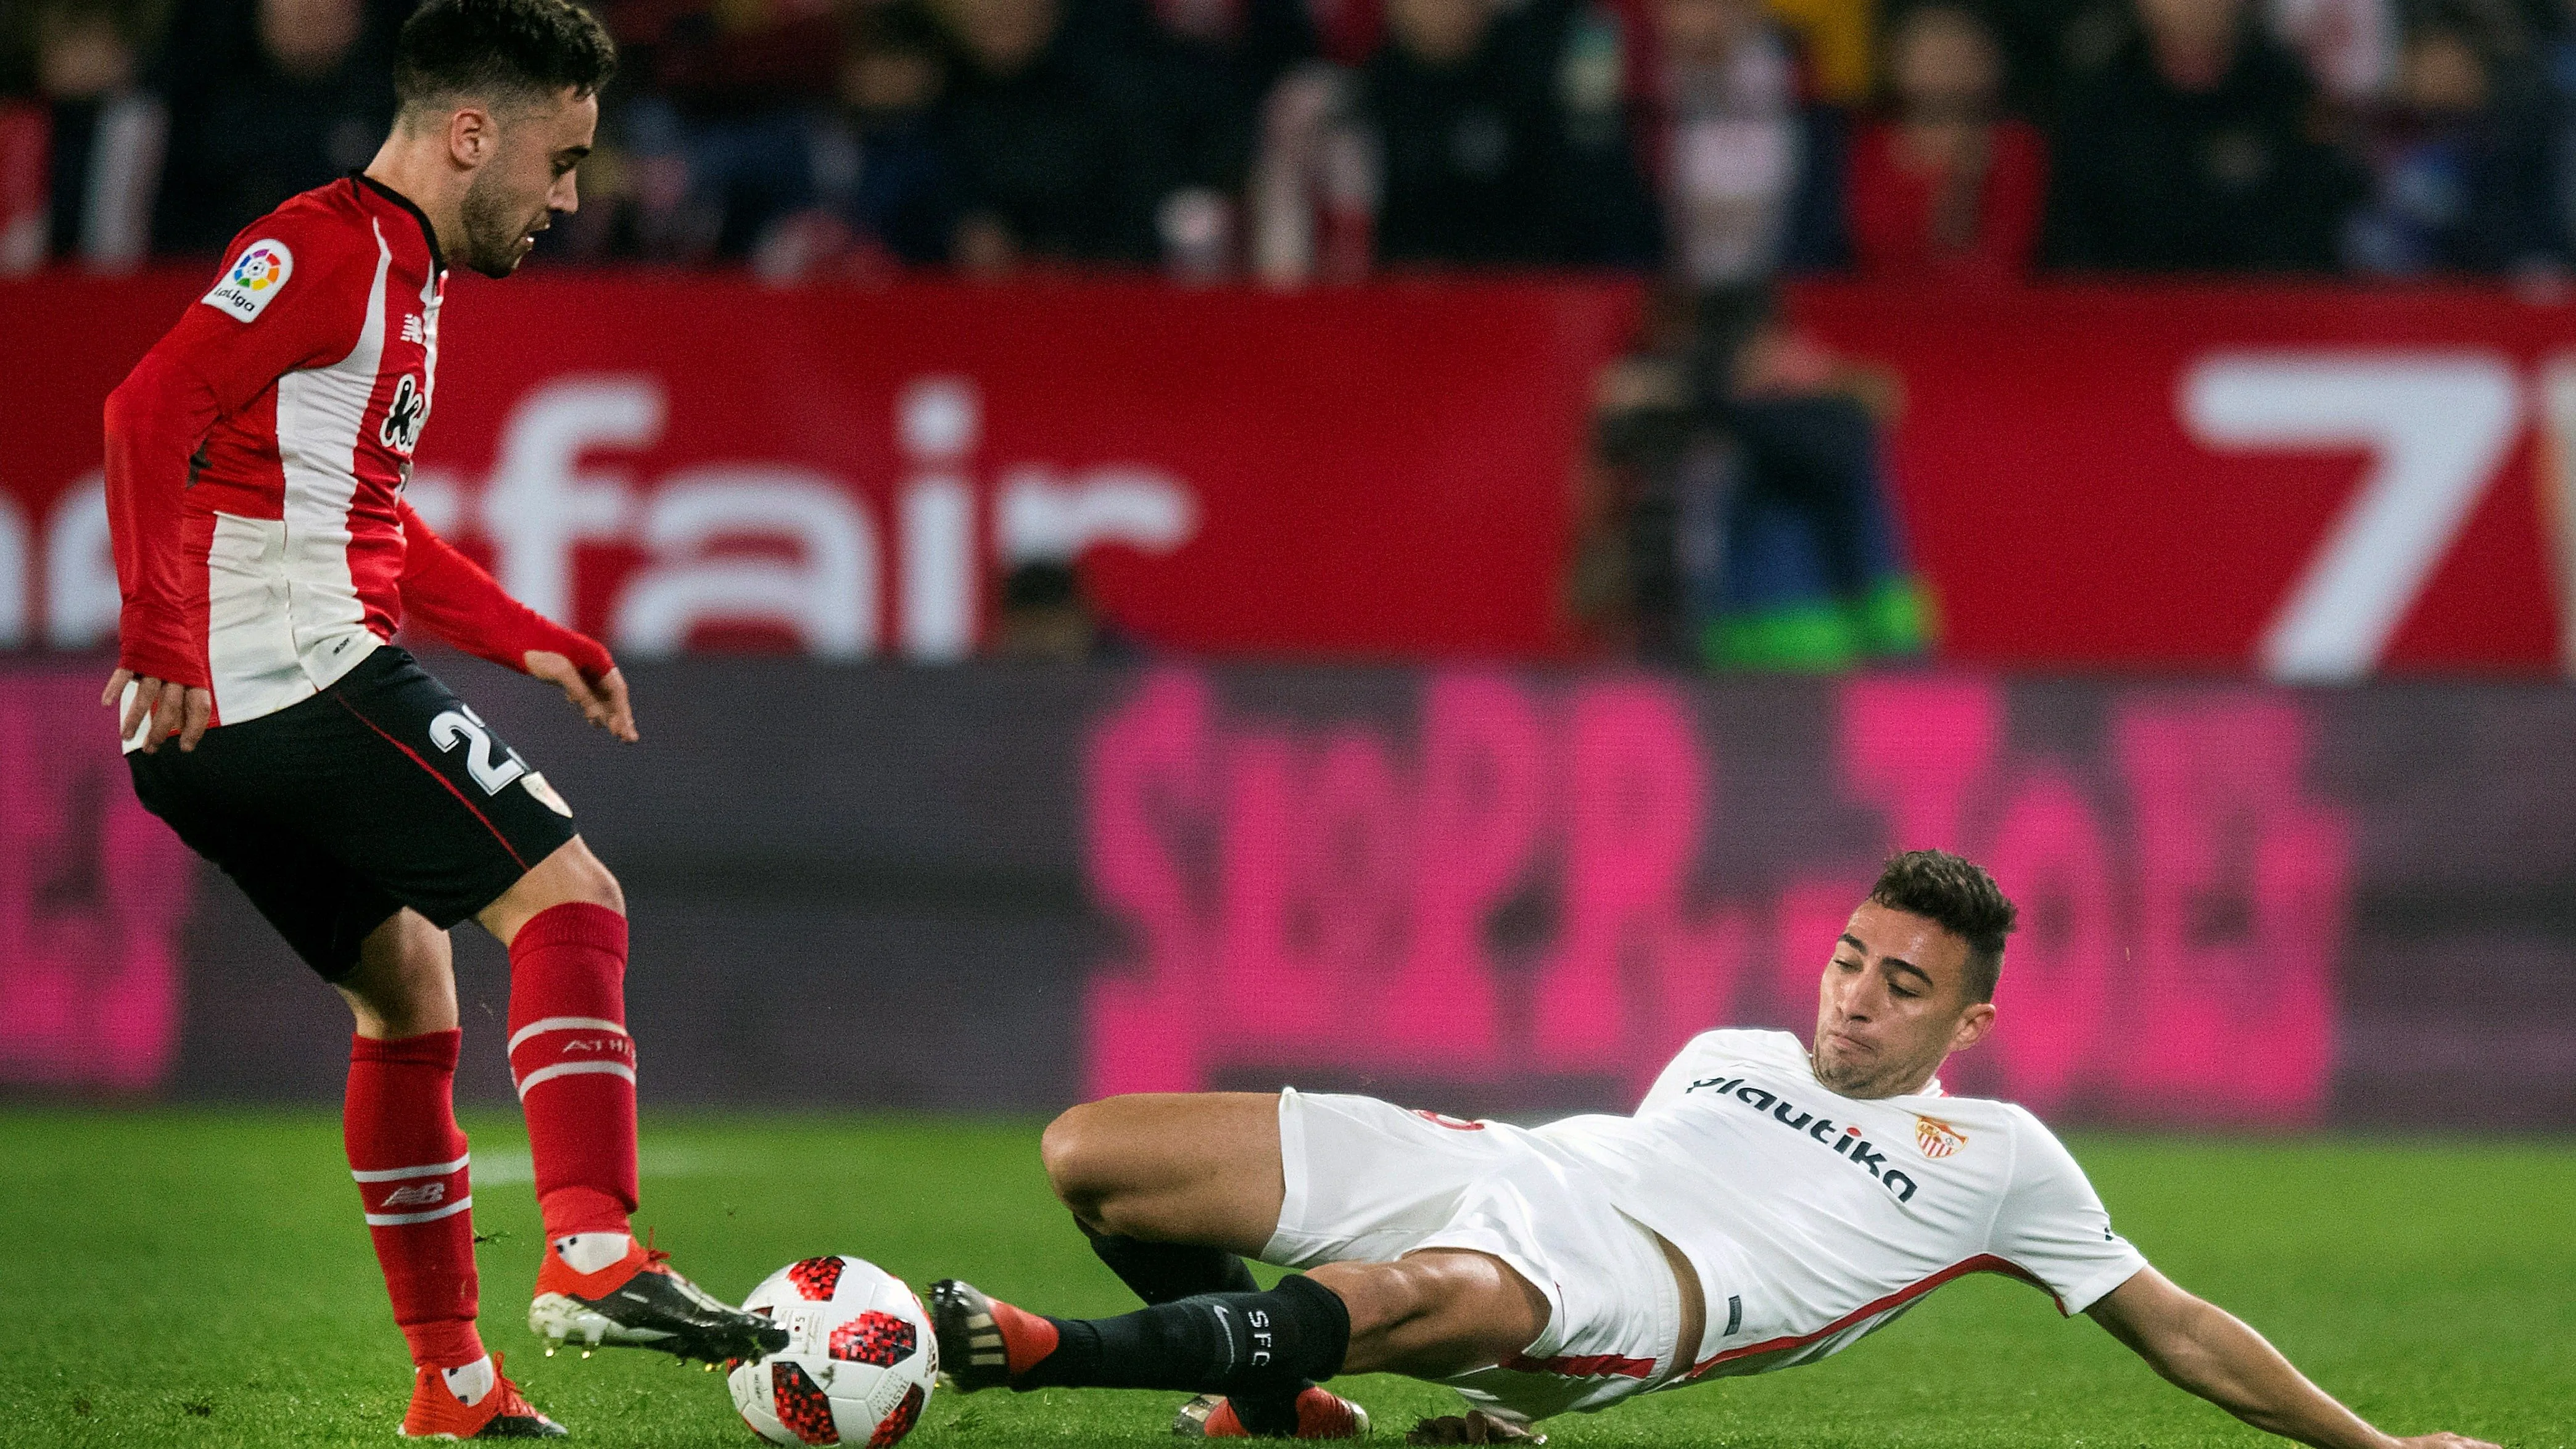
pixel 255 461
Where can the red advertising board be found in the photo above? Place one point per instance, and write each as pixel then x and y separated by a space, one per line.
pixel 2312 482
pixel 672 461
pixel 2319 482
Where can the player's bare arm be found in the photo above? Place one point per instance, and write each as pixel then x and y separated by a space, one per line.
pixel 2196 1345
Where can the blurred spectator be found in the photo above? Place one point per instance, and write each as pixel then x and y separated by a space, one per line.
pixel 81 159
pixel 2461 179
pixel 716 58
pixel 882 187
pixel 1207 66
pixel 1049 162
pixel 1749 172
pixel 1838 40
pixel 1044 617
pixel 1497 139
pixel 2349 46
pixel 713 113
pixel 268 98
pixel 1945 186
pixel 1740 511
pixel 2196 149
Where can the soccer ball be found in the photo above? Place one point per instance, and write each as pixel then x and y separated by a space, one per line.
pixel 859 1359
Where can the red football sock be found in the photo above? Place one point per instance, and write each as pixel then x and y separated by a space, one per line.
pixel 575 1065
pixel 410 1161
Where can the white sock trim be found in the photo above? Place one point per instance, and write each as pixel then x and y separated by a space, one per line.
pixel 395 1220
pixel 563 1023
pixel 574 1069
pixel 397 1174
pixel 471 1382
pixel 590 1252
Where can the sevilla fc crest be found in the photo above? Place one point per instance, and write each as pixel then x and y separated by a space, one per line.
pixel 1937 1138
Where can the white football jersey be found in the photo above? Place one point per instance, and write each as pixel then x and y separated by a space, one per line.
pixel 1814 1219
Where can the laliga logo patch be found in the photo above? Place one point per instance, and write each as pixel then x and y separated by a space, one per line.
pixel 259 275
pixel 1937 1138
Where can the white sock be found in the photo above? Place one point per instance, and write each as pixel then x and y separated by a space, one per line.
pixel 590 1252
pixel 470 1383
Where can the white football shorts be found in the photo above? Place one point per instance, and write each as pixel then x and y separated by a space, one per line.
pixel 1369 1182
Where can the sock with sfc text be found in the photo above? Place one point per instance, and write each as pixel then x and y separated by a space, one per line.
pixel 1256 1346
pixel 1167 1272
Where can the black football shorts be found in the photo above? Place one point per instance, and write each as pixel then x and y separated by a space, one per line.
pixel 380 792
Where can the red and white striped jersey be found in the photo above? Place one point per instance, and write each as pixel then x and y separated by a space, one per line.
pixel 256 459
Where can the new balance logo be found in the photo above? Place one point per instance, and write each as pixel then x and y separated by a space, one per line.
pixel 413 331
pixel 420 1194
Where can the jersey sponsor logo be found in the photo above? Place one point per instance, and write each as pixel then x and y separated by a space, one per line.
pixel 404 415
pixel 1936 1137
pixel 1851 1146
pixel 254 279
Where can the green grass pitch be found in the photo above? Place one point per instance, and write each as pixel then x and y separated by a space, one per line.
pixel 200 1278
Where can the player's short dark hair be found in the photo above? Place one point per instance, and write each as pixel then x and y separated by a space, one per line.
pixel 1957 893
pixel 500 51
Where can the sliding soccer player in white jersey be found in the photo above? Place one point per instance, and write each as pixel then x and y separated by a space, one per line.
pixel 1765 1206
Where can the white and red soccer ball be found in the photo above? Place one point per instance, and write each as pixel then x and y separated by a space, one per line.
pixel 859 1360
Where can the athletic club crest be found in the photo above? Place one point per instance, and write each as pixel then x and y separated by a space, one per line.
pixel 1936 1137
pixel 404 415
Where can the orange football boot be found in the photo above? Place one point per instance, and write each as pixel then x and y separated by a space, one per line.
pixel 639 1302
pixel 501 1413
pixel 1321 1414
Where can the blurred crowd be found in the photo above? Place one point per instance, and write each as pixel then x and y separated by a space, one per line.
pixel 1716 141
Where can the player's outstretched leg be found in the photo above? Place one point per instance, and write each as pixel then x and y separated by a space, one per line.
pixel 574 1064
pixel 1430 1314
pixel 1151 1180
pixel 413 1172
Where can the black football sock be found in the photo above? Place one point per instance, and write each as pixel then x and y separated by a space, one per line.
pixel 1167 1272
pixel 1261 1347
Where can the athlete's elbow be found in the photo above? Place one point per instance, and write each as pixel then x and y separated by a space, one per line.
pixel 146 393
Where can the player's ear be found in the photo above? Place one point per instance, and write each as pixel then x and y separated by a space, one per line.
pixel 1973 1025
pixel 472 136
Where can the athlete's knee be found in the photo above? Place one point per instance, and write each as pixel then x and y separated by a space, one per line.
pixel 570 876
pixel 585 878
pixel 1073 1151
pixel 404 983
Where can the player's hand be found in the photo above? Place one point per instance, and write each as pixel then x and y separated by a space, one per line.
pixel 175 709
pixel 1473 1427
pixel 604 704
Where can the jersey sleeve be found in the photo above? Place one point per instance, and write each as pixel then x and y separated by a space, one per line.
pixel 2052 1225
pixel 223 354
pixel 451 596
